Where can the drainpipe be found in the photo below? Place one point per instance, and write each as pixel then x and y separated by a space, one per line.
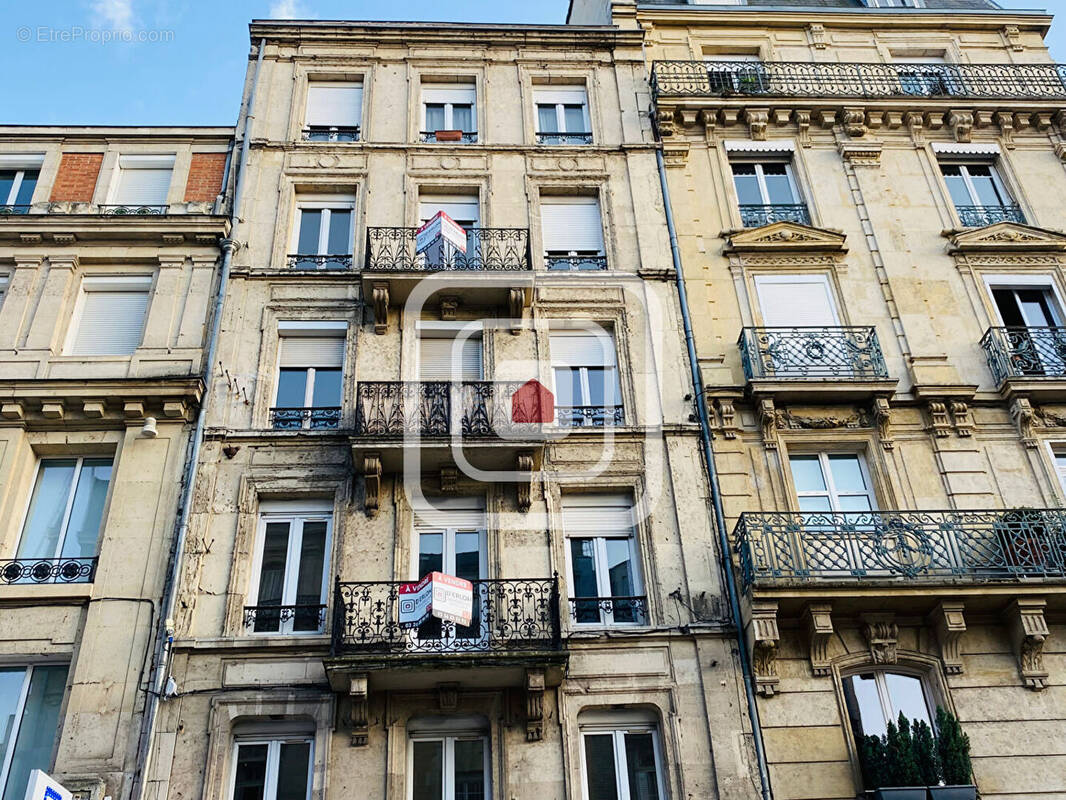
pixel 165 637
pixel 716 490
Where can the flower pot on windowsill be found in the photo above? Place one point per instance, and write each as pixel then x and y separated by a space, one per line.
pixel 953 792
pixel 901 793
pixel 448 136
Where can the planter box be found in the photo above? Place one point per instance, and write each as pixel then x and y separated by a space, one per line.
pixel 953 793
pixel 901 793
pixel 448 136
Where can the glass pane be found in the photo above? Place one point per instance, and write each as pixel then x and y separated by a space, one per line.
pixel 292 386
pixel 906 695
pixel 427 779
pixel 29 183
pixel 11 680
pixel 430 553
pixel 250 778
pixel 272 574
pixel 48 504
pixel 468 555
pixel 87 513
pixel 310 225
pixel 547 122
pixel 37 733
pixel 815 503
pixel 7 181
pixel 985 186
pixel 747 184
pixel 293 766
pixel 854 502
pixel 340 232
pixel 574 117
pixel 463 118
pixel 600 774
pixel 583 566
pixel 864 706
pixel 847 473
pixel 807 474
pixel 778 186
pixel 434 116
pixel 640 763
pixel 567 387
pixel 327 389
pixel 1037 308
pixel 960 195
pixel 309 577
pixel 470 769
pixel 621 574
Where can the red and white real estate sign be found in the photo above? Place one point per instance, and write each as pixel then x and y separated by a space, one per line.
pixel 440 228
pixel 443 596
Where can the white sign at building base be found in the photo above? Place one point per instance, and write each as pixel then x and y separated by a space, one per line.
pixel 42 786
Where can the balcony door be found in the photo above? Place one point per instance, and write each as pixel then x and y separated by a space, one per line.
pixel 448 362
pixel 802 309
pixel 465 210
pixel 1030 311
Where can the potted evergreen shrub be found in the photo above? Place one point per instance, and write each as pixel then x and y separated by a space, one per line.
pixel 953 752
pixel 901 778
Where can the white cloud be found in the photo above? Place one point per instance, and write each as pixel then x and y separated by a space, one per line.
pixel 117 15
pixel 289 9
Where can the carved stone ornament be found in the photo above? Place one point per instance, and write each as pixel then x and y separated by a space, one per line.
pixel 534 705
pixel 790 421
pixel 960 413
pixel 882 412
pixel 764 638
pixel 961 124
pixel 664 123
pixel 380 297
pixel 1029 630
pixel 1005 120
pixel 802 118
pixel 449 480
pixel 768 423
pixel 757 119
pixel 516 304
pixel 449 308
pixel 816 35
pixel 853 121
pixel 1007 237
pixel 372 483
pixel 861 154
pixel 818 620
pixel 786 237
pixel 882 637
pixel 1021 411
pixel 448 696
pixel 1014 36
pixel 1046 418
pixel 524 463
pixel 728 415
pixel 949 623
pixel 359 720
pixel 940 424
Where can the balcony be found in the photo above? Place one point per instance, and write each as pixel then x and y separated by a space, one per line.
pixel 589 416
pixel 487 249
pixel 298 619
pixel 294 419
pixel 815 362
pixel 330 133
pixel 980 216
pixel 572 262
pixel 755 216
pixel 47 570
pixel 131 210
pixel 1031 360
pixel 560 138
pixel 608 611
pixel 328 263
pixel 447 137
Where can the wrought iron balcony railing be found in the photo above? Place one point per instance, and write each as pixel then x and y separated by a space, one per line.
pixel 1025 352
pixel 844 353
pixel 869 81
pixel 285 619
pixel 979 216
pixel 292 419
pixel 430 137
pixel 330 133
pixel 559 137
pixel 17 208
pixel 490 249
pixel 319 262
pixel 755 216
pixel 609 610
pixel 474 409
pixel 520 614
pixel 575 263
pixel 48 570
pixel 589 416
pixel 131 210
pixel 931 546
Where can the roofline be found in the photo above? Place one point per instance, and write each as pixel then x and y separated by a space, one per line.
pixel 204 133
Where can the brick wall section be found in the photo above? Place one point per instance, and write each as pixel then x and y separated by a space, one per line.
pixel 76 179
pixel 205 176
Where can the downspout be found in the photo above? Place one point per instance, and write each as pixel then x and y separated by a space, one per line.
pixel 165 637
pixel 716 490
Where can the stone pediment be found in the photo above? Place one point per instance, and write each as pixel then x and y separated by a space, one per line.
pixel 785 237
pixel 1006 237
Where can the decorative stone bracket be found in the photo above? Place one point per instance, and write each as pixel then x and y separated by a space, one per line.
pixel 1021 411
pixel 882 412
pixel 534 705
pixel 950 624
pixel 380 298
pixel 372 483
pixel 882 637
pixel 768 423
pixel 524 463
pixel 818 620
pixel 1029 631
pixel 358 694
pixel 948 415
pixel 763 638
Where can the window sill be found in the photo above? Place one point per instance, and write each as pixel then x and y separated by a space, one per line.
pixel 46 592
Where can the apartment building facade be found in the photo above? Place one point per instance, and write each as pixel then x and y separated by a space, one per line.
pixel 866 200
pixel 109 250
pixel 505 405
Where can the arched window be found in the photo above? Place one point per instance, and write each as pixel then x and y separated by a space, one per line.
pixel 875 697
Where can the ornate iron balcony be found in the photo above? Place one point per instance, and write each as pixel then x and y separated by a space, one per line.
pixel 490 249
pixel 979 216
pixel 559 137
pixel 509 614
pixel 17 208
pixel 331 133
pixel 131 211
pixel 475 409
pixel 287 619
pixel 845 353
pixel 929 546
pixel 871 81
pixel 293 419
pixel 430 137
pixel 319 262
pixel 589 416
pixel 609 610
pixel 575 263
pixel 1025 352
pixel 755 216
pixel 48 570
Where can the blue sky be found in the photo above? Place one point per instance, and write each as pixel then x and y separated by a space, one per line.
pixel 189 68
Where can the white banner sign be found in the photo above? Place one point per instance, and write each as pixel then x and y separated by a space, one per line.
pixel 443 596
pixel 440 228
pixel 42 786
pixel 415 601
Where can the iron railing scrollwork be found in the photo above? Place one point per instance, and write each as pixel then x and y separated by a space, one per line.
pixel 1025 352
pixel 931 546
pixel 474 409
pixel 330 133
pixel 131 210
pixel 836 353
pixel 559 262
pixel 755 216
pixel 328 262
pixel 589 416
pixel 16 208
pixel 609 610
pixel 854 80
pixel 297 618
pixel 518 614
pixel 490 249
pixel 48 570
pixel 561 137
pixel 430 137
pixel 291 419
pixel 980 216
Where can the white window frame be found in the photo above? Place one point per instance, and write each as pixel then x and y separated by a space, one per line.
pixel 315 83
pixel 449 738
pixel 138 161
pixel 573 200
pixel 79 463
pixel 326 329
pixel 964 171
pixel 830 487
pixel 760 177
pixel 882 690
pixel 582 370
pixel 1057 450
pixel 273 743
pixel 556 97
pixel 618 733
pixel 297 514
pixel 20 164
pixel 325 204
pixel 5 284
pixel 108 283
pixel 1045 282
pixel 20 713
pixel 458 88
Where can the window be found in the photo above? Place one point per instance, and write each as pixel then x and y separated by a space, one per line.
pixel 621 757
pixel 587 391
pixel 894 3
pixel 1033 340
pixel 796 301
pixel 109 320
pixel 831 482
pixel 767 193
pixel 562 116
pixel 873 699
pixel 979 194
pixel 448 760
pixel 605 584
pixel 1058 453
pixel 30 700
pixel 1031 306
pixel 18 180
pixel 334 112
pixel 442 358
pixel 736 74
pixel 464 209
pixel 573 233
pixel 449 113
pixel 142 182
pixel 923 76
pixel 322 238
pixel 310 373
pixel 272 768
pixel 291 568
pixel 5 281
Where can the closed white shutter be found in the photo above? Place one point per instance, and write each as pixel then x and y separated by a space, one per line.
pixel 110 323
pixel 461 208
pixel 335 104
pixel 312 351
pixel 571 224
pixel 435 359
pixel 143 180
pixel 582 350
pixel 452 512
pixel 797 300
pixel 598 514
pixel 569 97
pixel 449 93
